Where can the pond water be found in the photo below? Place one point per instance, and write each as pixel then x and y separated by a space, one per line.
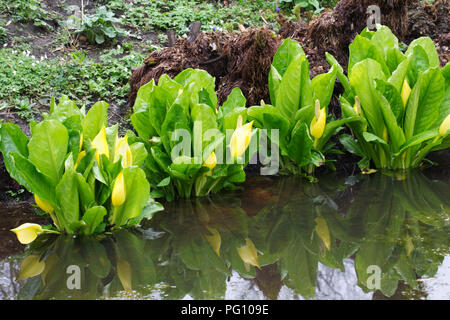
pixel 360 237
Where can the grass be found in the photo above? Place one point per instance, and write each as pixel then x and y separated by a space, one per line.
pixel 87 73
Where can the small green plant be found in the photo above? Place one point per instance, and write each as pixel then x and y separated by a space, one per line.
pixel 299 111
pixel 101 26
pixel 82 174
pixel 193 148
pixel 403 100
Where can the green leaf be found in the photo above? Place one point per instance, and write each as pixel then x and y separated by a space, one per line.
pixel 274 84
pixel 323 87
pixel 93 217
pixel 139 153
pixel 428 46
pixel 12 139
pixel 422 109
pixel 384 38
pixel 96 118
pixel 285 54
pixel 361 49
pixel 340 71
pixel 300 145
pixel 370 137
pixel 295 87
pixel 362 81
pixel 48 148
pixel 351 145
pixel 68 200
pixel 235 100
pixel 35 182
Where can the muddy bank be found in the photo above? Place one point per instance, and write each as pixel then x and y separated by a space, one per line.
pixel 243 59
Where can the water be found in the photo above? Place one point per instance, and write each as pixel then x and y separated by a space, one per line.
pixel 365 237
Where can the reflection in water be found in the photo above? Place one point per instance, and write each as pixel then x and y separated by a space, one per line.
pixel 299 244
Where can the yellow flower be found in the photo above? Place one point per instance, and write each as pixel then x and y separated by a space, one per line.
pixel 123 150
pixel 101 144
pixel 43 205
pixel 118 193
pixel 81 142
pixel 357 106
pixel 406 91
pixel 445 126
pixel 248 254
pixel 31 267
pixel 27 232
pixel 80 157
pixel 241 138
pixel 211 161
pixel 318 122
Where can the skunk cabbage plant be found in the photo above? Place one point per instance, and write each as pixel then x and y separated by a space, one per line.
pixel 402 98
pixel 299 111
pixel 194 147
pixel 81 173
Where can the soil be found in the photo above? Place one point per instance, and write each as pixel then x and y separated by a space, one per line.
pixel 245 58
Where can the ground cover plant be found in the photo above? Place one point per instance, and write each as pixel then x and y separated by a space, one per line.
pixel 81 173
pixel 210 158
pixel 403 99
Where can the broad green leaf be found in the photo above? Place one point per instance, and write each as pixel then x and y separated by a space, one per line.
pixel 139 153
pixel 234 100
pixel 370 137
pixel 323 87
pixel 418 63
pixel 422 109
pixel 96 118
pixel 68 199
pixel 93 217
pixel 48 148
pixel 340 71
pixel 294 89
pixel 362 81
pixel 385 39
pixel 428 46
pixel 361 49
pixel 274 84
pixel 285 54
pixel 12 139
pixel 300 145
pixel 157 107
pixel 37 183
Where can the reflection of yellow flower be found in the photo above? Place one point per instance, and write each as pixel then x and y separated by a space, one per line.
pixel 318 122
pixel 214 239
pixel 124 273
pixel 31 267
pixel 445 126
pixel 248 254
pixel 211 161
pixel 101 144
pixel 123 150
pixel 406 91
pixel 119 193
pixel 43 205
pixel 27 232
pixel 323 231
pixel 241 138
